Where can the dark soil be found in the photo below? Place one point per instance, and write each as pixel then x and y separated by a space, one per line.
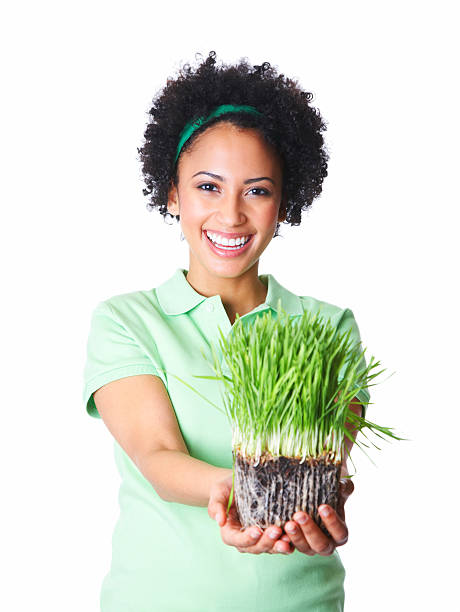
pixel 275 489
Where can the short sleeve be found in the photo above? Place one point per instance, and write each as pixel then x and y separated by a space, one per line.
pixel 347 322
pixel 111 353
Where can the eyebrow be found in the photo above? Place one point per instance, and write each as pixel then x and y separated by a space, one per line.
pixel 246 182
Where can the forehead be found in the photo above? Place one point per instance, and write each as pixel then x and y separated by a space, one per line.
pixel 227 143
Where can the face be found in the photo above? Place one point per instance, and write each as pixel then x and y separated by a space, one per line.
pixel 230 182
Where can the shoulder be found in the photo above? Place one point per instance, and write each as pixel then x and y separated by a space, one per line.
pixel 132 301
pixel 328 310
pixel 131 307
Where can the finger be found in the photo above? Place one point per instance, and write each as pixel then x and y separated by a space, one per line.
pixel 290 548
pixel 253 539
pixel 233 535
pixel 341 542
pixel 270 538
pixel 298 539
pixel 316 539
pixel 284 547
pixel 334 524
pixel 218 512
pixel 285 537
pixel 218 502
pixel 266 543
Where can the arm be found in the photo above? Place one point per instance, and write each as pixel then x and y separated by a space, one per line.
pixel 181 478
pixel 138 412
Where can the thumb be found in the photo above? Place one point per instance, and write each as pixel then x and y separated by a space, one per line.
pixel 218 501
pixel 347 488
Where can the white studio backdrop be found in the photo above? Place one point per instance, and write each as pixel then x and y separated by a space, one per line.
pixel 78 79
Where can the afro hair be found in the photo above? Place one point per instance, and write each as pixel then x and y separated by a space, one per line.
pixel 288 122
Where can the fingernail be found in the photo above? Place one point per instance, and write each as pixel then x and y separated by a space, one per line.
pixel 325 512
pixel 273 534
pixel 255 534
pixel 290 529
pixel 219 517
pixel 302 520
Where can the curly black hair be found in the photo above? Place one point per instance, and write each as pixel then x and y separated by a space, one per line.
pixel 288 123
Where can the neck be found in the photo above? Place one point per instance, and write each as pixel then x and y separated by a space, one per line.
pixel 239 294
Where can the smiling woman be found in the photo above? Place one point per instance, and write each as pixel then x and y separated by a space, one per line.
pixel 230 152
pixel 234 206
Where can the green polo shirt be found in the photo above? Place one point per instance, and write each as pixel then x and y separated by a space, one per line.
pixel 170 557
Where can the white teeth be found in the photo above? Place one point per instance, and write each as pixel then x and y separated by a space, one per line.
pixel 216 239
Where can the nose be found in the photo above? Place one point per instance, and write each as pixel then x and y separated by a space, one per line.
pixel 231 210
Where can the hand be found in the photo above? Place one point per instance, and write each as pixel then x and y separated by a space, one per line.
pixel 231 530
pixel 308 537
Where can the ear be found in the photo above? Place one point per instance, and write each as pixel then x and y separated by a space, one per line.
pixel 282 211
pixel 173 200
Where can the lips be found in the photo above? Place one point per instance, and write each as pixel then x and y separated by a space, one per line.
pixel 222 252
pixel 227 235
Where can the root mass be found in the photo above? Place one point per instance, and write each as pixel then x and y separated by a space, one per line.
pixel 272 491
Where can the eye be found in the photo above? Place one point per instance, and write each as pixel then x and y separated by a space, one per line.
pixel 261 189
pixel 206 185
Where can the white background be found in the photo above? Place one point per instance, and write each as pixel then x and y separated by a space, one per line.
pixel 77 80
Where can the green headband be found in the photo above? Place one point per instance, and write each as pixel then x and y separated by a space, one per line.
pixel 220 110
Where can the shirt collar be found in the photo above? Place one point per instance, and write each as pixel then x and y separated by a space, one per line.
pixel 176 295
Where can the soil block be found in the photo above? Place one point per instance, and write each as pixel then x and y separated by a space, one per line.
pixel 270 492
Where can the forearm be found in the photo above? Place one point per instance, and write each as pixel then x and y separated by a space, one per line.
pixel 178 477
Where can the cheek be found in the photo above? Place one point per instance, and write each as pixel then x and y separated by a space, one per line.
pixel 192 211
pixel 269 215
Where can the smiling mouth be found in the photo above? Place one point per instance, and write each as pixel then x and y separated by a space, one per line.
pixel 228 249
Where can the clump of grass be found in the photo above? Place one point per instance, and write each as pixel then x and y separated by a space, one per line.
pixel 288 383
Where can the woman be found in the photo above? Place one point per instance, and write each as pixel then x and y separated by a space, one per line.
pixel 231 152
